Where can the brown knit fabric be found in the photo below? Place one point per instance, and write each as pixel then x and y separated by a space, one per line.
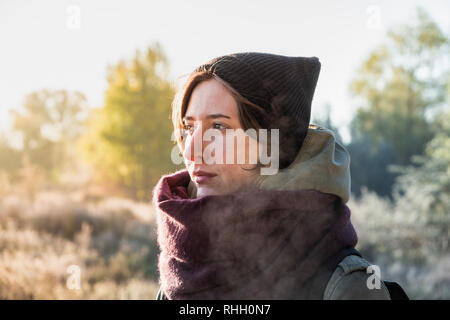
pixel 283 86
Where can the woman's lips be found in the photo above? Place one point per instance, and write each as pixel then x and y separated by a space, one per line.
pixel 203 179
pixel 203 176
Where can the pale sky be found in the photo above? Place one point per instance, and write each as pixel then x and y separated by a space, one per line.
pixel 42 47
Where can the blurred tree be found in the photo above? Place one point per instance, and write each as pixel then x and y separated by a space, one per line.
pixel 397 87
pixel 129 141
pixel 48 123
pixel 422 192
pixel 9 159
pixel 369 169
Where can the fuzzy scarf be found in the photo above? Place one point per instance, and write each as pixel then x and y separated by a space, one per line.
pixel 249 244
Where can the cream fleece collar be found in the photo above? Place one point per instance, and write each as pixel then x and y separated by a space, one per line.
pixel 322 164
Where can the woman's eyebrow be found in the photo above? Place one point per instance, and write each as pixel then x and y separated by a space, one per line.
pixel 210 116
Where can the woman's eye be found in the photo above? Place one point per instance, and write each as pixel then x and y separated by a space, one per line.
pixel 188 127
pixel 216 125
pixel 219 126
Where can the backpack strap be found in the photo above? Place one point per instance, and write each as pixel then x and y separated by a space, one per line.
pixel 317 284
pixel 396 291
pixel 334 261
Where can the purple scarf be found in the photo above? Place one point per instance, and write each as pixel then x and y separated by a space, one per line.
pixel 249 244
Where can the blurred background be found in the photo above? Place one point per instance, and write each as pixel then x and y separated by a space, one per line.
pixel 85 133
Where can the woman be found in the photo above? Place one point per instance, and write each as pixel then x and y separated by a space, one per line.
pixel 227 231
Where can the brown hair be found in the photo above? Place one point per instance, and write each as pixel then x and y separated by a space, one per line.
pixel 250 114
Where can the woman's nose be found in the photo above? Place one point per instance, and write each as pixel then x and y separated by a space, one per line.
pixel 193 149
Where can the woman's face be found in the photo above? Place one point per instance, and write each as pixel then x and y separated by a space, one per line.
pixel 211 106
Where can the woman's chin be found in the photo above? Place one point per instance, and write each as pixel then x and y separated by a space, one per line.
pixel 205 191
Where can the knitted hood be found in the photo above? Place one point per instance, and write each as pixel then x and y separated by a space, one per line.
pixel 281 85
